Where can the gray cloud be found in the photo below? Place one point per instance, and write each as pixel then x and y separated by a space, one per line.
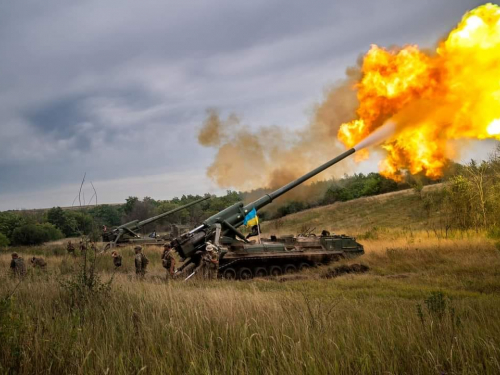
pixel 119 88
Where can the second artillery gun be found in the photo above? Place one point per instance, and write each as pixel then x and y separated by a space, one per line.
pixel 241 259
pixel 127 233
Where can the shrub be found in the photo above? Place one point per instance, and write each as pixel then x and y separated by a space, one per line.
pixel 494 233
pixel 4 241
pixel 35 234
pixel 53 233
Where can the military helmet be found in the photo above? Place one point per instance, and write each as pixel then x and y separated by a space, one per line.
pixel 138 248
pixel 15 255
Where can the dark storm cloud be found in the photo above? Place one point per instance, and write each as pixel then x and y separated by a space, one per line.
pixel 118 89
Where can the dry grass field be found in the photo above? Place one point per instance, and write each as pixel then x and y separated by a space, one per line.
pixel 427 305
pixel 395 211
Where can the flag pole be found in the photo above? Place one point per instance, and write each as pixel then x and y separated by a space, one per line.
pixel 258 230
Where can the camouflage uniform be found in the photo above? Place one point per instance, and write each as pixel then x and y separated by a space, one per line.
pixel 17 265
pixel 168 261
pixel 70 248
pixel 210 261
pixel 141 262
pixel 83 248
pixel 38 263
pixel 117 259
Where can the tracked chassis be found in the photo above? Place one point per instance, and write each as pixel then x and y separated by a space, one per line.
pixel 276 256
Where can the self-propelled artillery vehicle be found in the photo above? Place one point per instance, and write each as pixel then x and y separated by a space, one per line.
pixel 127 233
pixel 242 259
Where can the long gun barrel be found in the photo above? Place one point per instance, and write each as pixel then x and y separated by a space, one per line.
pixel 134 225
pixel 232 217
pixel 154 218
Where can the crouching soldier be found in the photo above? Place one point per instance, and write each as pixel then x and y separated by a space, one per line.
pixel 38 263
pixel 141 262
pixel 17 265
pixel 168 261
pixel 70 248
pixel 117 259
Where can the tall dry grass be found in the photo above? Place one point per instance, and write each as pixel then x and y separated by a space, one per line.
pixel 425 307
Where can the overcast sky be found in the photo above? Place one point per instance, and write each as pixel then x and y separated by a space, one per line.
pixel 119 89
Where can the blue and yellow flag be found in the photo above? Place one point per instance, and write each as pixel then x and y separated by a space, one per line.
pixel 251 219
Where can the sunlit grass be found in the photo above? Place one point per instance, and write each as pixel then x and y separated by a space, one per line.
pixel 367 323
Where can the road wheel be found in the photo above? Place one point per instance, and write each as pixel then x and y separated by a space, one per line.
pixel 260 272
pixel 303 266
pixel 276 271
pixel 245 274
pixel 290 268
pixel 229 274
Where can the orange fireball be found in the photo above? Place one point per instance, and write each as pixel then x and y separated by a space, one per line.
pixel 433 98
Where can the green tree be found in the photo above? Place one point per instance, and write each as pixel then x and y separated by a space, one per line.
pixel 130 202
pixel 53 234
pixel 83 222
pixel 10 221
pixel 106 215
pixel 63 221
pixel 30 234
pixel 4 241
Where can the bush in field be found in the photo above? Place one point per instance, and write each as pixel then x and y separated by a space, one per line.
pixel 494 233
pixel 84 287
pixel 64 222
pixel 35 234
pixel 53 234
pixel 4 241
pixel 10 221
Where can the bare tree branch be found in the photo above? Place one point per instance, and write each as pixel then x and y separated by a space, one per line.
pixel 95 194
pixel 80 192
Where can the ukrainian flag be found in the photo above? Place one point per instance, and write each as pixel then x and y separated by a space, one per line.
pixel 251 219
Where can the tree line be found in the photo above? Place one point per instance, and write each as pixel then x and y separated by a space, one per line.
pixel 470 200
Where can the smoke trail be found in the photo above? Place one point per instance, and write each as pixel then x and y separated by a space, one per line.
pixel 378 136
pixel 270 156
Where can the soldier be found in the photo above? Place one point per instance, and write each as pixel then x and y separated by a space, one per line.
pixel 168 260
pixel 117 259
pixel 38 263
pixel 83 248
pixel 70 248
pixel 141 262
pixel 254 231
pixel 210 261
pixel 17 265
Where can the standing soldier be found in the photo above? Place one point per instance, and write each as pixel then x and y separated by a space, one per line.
pixel 38 263
pixel 210 260
pixel 83 247
pixel 141 262
pixel 70 248
pixel 168 260
pixel 117 259
pixel 17 265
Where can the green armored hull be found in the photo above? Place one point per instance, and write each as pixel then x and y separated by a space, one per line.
pixel 276 256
